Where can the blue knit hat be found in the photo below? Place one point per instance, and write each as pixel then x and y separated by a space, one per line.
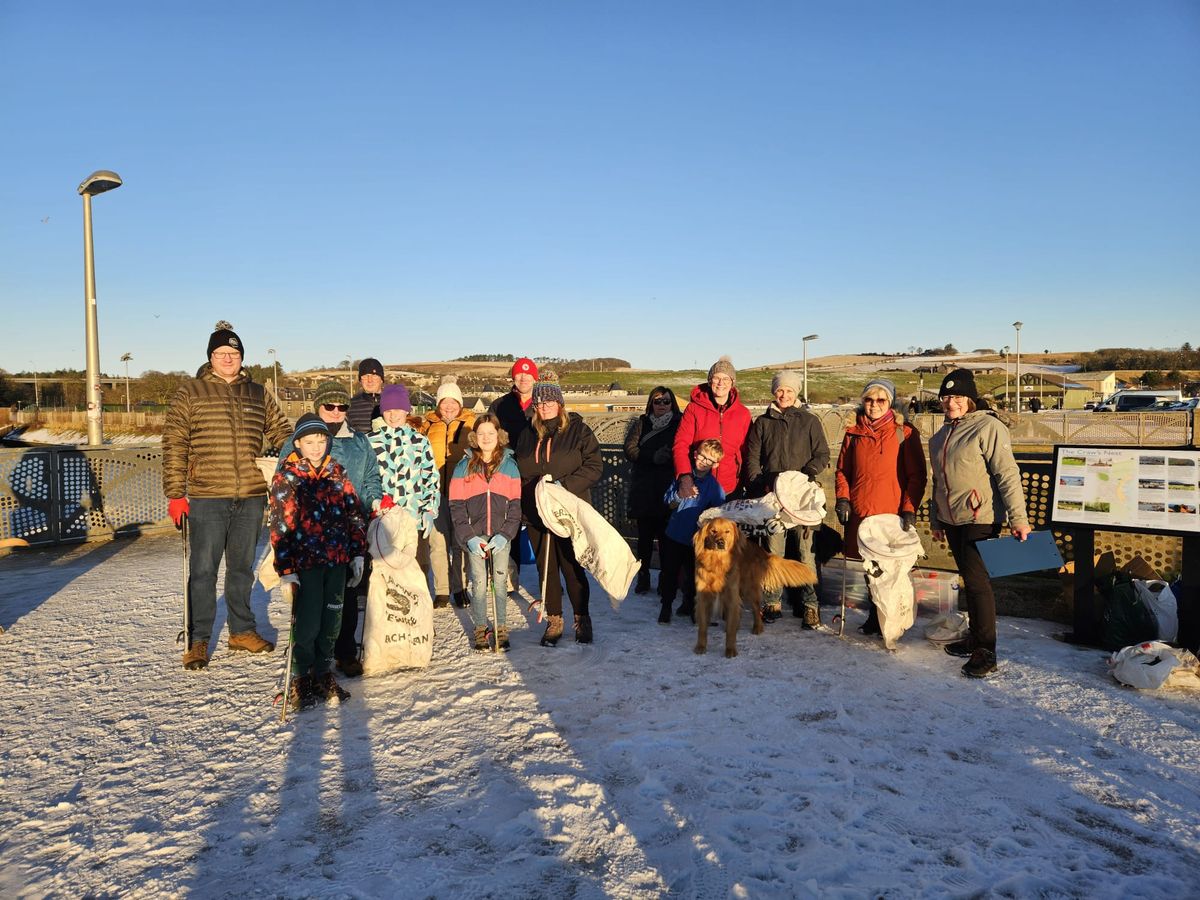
pixel 309 423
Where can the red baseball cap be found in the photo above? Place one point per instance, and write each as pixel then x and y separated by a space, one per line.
pixel 525 366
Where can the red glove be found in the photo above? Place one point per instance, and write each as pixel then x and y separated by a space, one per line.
pixel 386 503
pixel 178 508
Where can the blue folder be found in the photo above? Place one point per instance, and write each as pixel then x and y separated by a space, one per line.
pixel 1008 556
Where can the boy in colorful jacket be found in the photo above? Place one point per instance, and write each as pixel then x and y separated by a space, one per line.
pixel 319 536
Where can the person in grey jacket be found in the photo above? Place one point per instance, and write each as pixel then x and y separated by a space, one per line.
pixel 976 483
pixel 787 438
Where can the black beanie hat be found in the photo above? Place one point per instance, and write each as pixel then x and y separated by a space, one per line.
pixel 961 383
pixel 370 366
pixel 225 336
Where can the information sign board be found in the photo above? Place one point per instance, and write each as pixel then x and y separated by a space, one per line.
pixel 1153 490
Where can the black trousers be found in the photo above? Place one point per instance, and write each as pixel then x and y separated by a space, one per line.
pixel 678 571
pixel 649 528
pixel 981 602
pixel 346 646
pixel 555 560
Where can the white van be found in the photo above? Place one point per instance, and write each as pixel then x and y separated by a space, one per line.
pixel 1132 401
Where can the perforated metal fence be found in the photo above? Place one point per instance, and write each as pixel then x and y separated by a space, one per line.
pixel 57 494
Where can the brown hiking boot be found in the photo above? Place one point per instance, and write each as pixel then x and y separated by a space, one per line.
pixel 812 619
pixel 554 629
pixel 502 636
pixel 250 641
pixel 481 638
pixel 351 668
pixel 325 688
pixel 196 656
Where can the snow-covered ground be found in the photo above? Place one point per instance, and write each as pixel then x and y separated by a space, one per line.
pixel 808 766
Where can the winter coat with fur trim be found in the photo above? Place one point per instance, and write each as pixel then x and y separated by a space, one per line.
pixel 213 433
pixel 975 477
pixel 481 507
pixel 729 424
pixel 316 519
pixel 784 440
pixel 570 456
pixel 879 473
pixel 448 440
pixel 354 453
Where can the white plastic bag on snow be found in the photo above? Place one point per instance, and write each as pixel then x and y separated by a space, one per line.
pixel 1153 664
pixel 948 628
pixel 1160 600
pixel 398 625
pixel 889 553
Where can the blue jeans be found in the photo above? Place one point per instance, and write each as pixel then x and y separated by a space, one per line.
pixel 222 527
pixel 799 541
pixel 477 571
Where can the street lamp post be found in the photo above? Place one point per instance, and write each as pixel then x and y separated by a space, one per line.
pixel 125 358
pixel 804 341
pixel 275 373
pixel 1017 325
pixel 1007 395
pixel 96 183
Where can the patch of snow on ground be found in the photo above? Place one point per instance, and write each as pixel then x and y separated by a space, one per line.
pixel 807 766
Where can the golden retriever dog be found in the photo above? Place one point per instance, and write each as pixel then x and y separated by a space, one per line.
pixel 731 571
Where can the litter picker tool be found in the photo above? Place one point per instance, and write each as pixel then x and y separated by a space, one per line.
pixel 183 636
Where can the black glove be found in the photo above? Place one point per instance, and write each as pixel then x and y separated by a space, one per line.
pixel 842 510
pixel 908 520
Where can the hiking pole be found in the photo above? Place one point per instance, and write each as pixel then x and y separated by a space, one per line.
pixel 183 636
pixel 287 662
pixel 491 597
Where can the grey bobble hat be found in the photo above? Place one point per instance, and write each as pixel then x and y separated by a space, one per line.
pixel 723 366
pixel 883 384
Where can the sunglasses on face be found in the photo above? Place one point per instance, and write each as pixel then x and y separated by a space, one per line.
pixel 661 401
pixel 334 407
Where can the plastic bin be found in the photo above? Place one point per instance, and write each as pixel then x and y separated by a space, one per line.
pixel 935 591
pixel 833 573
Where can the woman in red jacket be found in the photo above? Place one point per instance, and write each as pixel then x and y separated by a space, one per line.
pixel 880 469
pixel 714 411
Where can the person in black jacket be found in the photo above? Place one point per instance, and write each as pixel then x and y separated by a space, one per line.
pixel 364 406
pixel 561 445
pixel 515 409
pixel 787 438
pixel 648 447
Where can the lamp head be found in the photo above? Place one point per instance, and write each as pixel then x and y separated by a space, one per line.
pixel 1017 325
pixel 99 182
pixel 810 337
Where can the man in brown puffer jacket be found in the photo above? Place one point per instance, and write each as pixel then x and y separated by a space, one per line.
pixel 216 426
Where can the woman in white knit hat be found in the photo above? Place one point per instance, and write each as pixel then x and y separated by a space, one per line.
pixel 448 426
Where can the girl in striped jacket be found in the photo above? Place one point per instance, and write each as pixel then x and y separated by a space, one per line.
pixel 485 509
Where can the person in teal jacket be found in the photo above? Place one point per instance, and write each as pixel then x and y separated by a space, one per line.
pixel 354 453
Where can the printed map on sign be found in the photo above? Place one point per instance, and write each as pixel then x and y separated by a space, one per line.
pixel 1127 487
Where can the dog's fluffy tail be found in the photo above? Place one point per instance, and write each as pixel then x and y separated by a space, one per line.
pixel 781 573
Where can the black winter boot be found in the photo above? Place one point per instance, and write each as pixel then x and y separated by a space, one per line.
pixel 961 649
pixel 583 629
pixel 664 614
pixel 643 582
pixel 981 664
pixel 871 626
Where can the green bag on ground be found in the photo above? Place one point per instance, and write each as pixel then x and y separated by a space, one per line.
pixel 1126 620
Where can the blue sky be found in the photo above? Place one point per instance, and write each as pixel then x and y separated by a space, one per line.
pixel 663 182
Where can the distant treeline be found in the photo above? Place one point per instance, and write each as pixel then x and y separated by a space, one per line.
pixel 1127 358
pixel 486 357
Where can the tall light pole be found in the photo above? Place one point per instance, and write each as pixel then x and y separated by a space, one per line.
pixel 96 183
pixel 125 358
pixel 804 340
pixel 275 373
pixel 1007 395
pixel 1017 325
pixel 37 394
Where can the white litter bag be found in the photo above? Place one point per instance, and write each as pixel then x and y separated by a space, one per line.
pixel 889 553
pixel 1160 600
pixel 598 546
pixel 796 500
pixel 1153 665
pixel 398 626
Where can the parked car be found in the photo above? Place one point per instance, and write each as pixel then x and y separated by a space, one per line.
pixel 1136 401
pixel 1188 405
